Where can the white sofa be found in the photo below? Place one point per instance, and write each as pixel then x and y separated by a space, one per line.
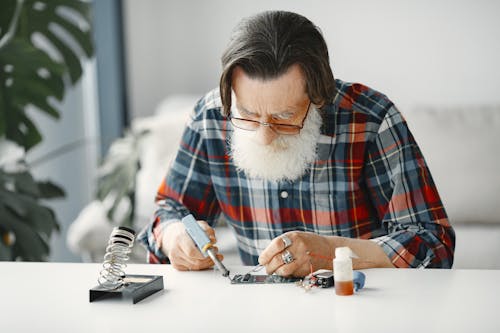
pixel 460 145
pixel 462 148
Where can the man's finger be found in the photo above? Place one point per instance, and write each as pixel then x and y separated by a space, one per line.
pixel 275 263
pixel 288 270
pixel 276 246
pixel 201 264
pixel 189 248
pixel 208 230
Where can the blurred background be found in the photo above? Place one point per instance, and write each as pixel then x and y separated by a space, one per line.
pixel 436 60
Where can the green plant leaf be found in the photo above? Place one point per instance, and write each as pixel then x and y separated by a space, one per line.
pixel 84 38
pixel 51 37
pixel 24 183
pixel 29 245
pixel 8 7
pixel 27 87
pixel 26 63
pixel 30 211
pixel 50 19
pixel 49 190
pixel 3 121
pixel 22 213
pixel 69 57
pixel 28 74
pixel 26 135
pixel 9 200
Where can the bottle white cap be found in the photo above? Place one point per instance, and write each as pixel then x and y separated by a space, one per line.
pixel 342 264
pixel 343 253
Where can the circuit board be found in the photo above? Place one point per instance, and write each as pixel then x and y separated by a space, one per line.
pixel 261 279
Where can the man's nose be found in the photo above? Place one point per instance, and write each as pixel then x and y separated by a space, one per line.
pixel 265 135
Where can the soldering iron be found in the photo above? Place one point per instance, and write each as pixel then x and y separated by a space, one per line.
pixel 202 241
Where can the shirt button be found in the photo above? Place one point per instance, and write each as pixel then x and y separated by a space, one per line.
pixel 284 194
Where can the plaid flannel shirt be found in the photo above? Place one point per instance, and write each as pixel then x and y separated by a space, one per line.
pixel 369 181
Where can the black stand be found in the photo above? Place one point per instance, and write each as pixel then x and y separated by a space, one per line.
pixel 137 287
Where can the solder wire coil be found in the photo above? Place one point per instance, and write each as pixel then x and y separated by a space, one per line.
pixel 119 246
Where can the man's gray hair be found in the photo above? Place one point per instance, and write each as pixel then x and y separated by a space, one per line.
pixel 264 46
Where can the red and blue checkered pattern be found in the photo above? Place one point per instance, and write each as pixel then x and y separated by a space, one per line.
pixel 369 181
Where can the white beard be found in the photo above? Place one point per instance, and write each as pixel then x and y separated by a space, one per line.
pixel 285 159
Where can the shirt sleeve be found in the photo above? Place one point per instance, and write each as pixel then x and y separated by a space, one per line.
pixel 406 200
pixel 186 189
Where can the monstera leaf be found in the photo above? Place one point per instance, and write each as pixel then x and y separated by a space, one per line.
pixel 25 224
pixel 41 43
pixel 30 223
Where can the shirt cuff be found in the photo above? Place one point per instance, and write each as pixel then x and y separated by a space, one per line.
pixel 151 237
pixel 398 253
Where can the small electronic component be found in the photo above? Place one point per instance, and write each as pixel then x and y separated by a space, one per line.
pixel 324 279
pixel 261 279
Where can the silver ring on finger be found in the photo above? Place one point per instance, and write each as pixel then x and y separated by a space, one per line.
pixel 286 241
pixel 287 257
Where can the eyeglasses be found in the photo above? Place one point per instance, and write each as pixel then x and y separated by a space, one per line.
pixel 253 125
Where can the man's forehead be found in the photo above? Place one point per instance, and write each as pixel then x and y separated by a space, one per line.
pixel 278 94
pixel 248 103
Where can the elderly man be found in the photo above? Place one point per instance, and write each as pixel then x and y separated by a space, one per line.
pixel 299 164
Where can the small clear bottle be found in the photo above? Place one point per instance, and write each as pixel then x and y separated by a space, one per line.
pixel 342 271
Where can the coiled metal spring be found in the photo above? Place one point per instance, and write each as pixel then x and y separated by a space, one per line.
pixel 119 246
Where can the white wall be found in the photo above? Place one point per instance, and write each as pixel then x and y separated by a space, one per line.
pixel 429 52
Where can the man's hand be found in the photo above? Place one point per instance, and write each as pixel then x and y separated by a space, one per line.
pixel 182 251
pixel 307 249
pixel 312 251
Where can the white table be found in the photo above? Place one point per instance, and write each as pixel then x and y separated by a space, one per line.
pixel 54 297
